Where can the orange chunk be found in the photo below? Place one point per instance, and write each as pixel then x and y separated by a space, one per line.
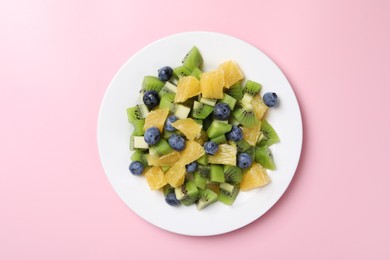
pixel 212 83
pixel 231 72
pixel 155 178
pixel 188 127
pixel 255 177
pixel 156 118
pixel 226 154
pixel 187 87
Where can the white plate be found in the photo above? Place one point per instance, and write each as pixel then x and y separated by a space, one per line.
pixel 113 134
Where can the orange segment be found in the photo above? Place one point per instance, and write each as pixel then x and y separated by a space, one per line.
pixel 156 118
pixel 166 160
pixel 212 83
pixel 155 178
pixel 232 73
pixel 226 154
pixel 192 152
pixel 251 135
pixel 259 107
pixel 187 87
pixel 255 177
pixel 176 174
pixel 188 127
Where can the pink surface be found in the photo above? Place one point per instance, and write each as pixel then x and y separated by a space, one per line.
pixel 56 61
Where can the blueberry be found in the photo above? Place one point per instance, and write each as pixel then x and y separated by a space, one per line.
pixel 270 99
pixel 171 199
pixel 152 135
pixel 192 167
pixel 165 73
pixel 222 111
pixel 210 148
pixel 177 142
pixel 244 160
pixel 136 168
pixel 235 134
pixel 151 98
pixel 168 123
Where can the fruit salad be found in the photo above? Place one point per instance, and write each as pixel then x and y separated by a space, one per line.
pixel 202 137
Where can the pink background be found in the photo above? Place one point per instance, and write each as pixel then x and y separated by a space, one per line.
pixel 57 59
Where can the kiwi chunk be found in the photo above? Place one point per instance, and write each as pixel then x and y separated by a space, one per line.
pixel 228 100
pixel 208 101
pixel 219 139
pixel 268 135
pixel 245 114
pixel 206 198
pixel 152 83
pixel 203 160
pixel 263 155
pixel 139 127
pixel 251 88
pixel 204 170
pixel 242 146
pixel 218 128
pixel 138 142
pixel 227 187
pixel 201 110
pixel 137 112
pixel 228 198
pixel 168 88
pixel 181 71
pixel 161 148
pixel 216 173
pixel 188 193
pixel 193 59
pixel 139 156
pixel 233 174
pixel 200 180
pixel 235 91
pixel 196 73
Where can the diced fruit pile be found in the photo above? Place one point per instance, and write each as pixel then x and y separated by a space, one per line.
pixel 202 137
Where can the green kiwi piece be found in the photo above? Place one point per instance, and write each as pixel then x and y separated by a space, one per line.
pixel 139 127
pixel 137 112
pixel 235 91
pixel 203 160
pixel 250 89
pixel 138 142
pixel 251 151
pixel 161 148
pixel 165 168
pixel 228 100
pixel 221 139
pixel 208 101
pixel 227 187
pixel 263 155
pixel 200 180
pixel 204 170
pixel 244 113
pixel 193 59
pixel 168 88
pixel 152 83
pixel 228 198
pixel 196 72
pixel 218 128
pixel 167 101
pixel 201 110
pixel 181 71
pixel 139 156
pixel 206 198
pixel 242 146
pixel 268 135
pixel 168 189
pixel 188 193
pixel 216 173
pixel 233 174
